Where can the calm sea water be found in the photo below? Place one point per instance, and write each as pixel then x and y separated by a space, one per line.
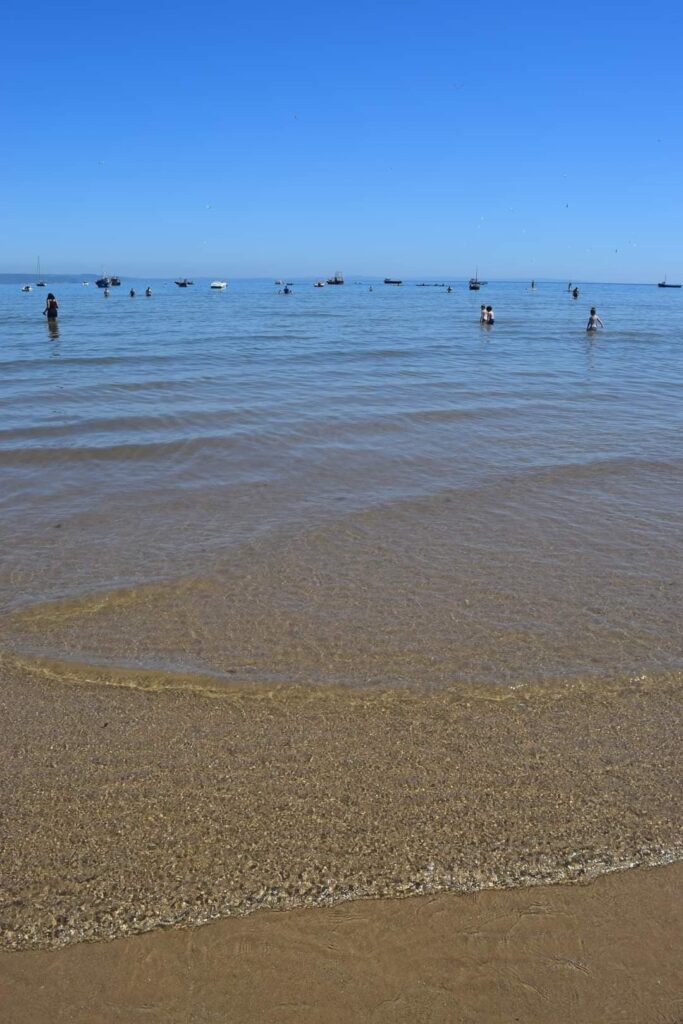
pixel 344 485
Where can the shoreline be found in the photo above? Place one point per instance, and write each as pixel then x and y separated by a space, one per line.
pixel 131 808
pixel 607 950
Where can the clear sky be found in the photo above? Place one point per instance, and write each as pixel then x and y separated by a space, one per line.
pixel 299 138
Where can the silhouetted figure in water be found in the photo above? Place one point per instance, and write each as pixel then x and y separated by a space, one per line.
pixel 148 291
pixel 51 307
pixel 575 293
pixel 594 320
pixel 132 293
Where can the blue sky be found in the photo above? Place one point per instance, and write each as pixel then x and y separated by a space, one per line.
pixel 421 139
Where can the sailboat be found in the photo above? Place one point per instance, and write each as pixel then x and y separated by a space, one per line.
pixel 475 284
pixel 39 283
pixel 663 284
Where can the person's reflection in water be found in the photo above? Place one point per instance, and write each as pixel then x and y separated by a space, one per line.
pixel 53 331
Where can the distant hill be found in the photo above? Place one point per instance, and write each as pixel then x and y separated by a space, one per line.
pixel 29 277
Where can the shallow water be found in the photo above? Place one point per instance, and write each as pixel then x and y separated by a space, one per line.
pixel 342 485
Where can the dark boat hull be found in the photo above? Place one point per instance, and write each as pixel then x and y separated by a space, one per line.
pixel 663 284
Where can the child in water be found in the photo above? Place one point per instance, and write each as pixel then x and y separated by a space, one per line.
pixel 594 320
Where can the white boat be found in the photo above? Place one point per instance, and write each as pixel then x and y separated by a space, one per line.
pixel 26 288
pixel 219 284
pixel 319 284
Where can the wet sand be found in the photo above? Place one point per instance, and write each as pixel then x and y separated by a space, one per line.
pixel 132 801
pixel 608 951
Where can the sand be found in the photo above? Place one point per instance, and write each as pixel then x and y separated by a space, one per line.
pixel 599 953
pixel 138 802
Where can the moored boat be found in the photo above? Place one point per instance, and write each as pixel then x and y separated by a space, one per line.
pixel 115 282
pixel 475 284
pixel 26 288
pixel 391 280
pixel 218 284
pixel 665 284
pixel 337 279
pixel 319 284
pixel 103 282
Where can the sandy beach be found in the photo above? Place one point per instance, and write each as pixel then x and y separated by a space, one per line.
pixel 137 802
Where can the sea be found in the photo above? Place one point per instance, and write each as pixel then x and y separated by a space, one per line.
pixel 356 486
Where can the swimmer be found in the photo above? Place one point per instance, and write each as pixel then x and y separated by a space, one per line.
pixel 575 293
pixel 148 291
pixel 132 293
pixel 594 320
pixel 449 289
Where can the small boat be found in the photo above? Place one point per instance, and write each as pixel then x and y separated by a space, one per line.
pixel 279 282
pixel 182 282
pixel 663 284
pixel 39 283
pixel 319 284
pixel 85 283
pixel 390 280
pixel 218 284
pixel 475 284
pixel 337 279
pixel 26 288
pixel 115 282
pixel 102 282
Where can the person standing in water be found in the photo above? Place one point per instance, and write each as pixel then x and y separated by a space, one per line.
pixel 482 314
pixel 594 320
pixel 51 307
pixel 575 293
pixel 490 318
